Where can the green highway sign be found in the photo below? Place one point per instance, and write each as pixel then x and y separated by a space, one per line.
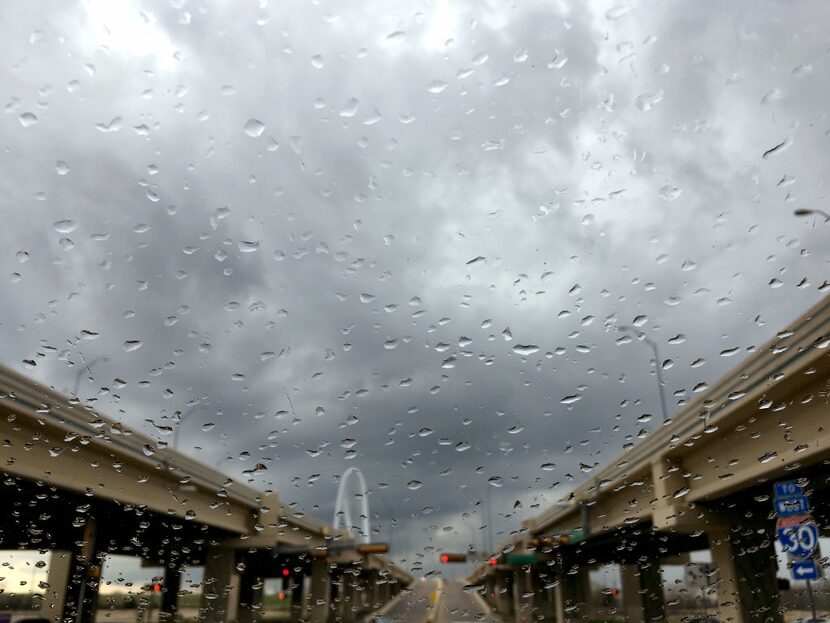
pixel 522 559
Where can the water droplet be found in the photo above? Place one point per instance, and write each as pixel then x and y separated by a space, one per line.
pixel 461 446
pixel 525 349
pixel 548 467
pixel 248 246
pixel 61 167
pixel 65 226
pixel 317 61
pixel 350 108
pixel 27 119
pixel 132 345
pixel 670 193
pixel 113 126
pixel 647 101
pixel 572 398
pixel 774 151
pixel 396 37
pixel 495 481
pixel 254 128
pixel 437 86
pixel 414 484
pixel 617 12
pixel 448 363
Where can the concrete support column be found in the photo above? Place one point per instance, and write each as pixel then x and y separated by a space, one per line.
pixel 523 595
pixel 250 596
pixel 632 601
pixel 220 586
pixel 320 591
pixel 504 596
pixel 349 611
pixel 58 579
pixel 374 590
pixel 73 580
pixel 543 597
pixel 651 588
pixel 642 592
pixel 170 594
pixel 296 593
pixel 747 586
pixel 573 595
pixel 384 591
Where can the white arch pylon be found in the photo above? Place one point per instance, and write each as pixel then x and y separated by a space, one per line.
pixel 342 512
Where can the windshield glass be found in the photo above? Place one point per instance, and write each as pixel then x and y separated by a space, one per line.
pixel 326 311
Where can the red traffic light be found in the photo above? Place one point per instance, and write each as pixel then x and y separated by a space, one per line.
pixel 615 591
pixel 156 587
pixel 285 573
pixel 282 595
pixel 493 561
pixel 445 558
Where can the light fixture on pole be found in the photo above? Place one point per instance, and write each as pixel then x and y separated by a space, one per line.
pixel 657 365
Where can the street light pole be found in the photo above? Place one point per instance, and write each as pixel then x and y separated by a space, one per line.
pixel 87 367
pixel 657 367
pixel 179 424
pixel 391 524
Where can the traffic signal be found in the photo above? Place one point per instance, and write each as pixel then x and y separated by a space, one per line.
pixel 447 558
pixel 615 591
pixel 156 587
pixel 493 561
pixel 285 572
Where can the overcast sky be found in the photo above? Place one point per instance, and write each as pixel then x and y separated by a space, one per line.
pixel 403 236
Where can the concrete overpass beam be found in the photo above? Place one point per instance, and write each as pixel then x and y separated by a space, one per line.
pixel 747 586
pixel 220 586
pixel 320 591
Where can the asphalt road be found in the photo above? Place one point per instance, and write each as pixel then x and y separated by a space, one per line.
pixel 455 605
pixel 463 606
pixel 414 605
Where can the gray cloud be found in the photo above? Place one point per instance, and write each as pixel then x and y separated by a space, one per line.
pixel 603 167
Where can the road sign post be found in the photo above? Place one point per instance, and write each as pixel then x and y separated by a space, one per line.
pixel 797 533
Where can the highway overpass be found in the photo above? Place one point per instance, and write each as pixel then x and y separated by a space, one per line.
pixel 82 485
pixel 704 480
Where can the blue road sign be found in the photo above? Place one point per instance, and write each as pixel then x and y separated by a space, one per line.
pixel 787 488
pixel 799 541
pixel 792 505
pixel 805 570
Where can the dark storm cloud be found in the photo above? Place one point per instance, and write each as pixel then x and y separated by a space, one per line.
pixel 352 280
